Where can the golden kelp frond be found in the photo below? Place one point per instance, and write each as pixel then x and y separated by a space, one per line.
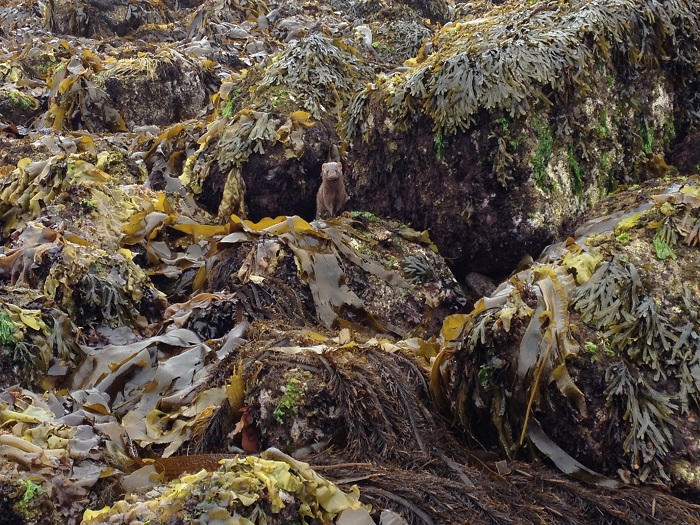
pixel 65 456
pixel 243 490
pixel 73 181
pixel 25 340
pixel 80 103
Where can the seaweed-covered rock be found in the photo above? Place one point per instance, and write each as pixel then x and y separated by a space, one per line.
pixel 352 273
pixel 158 329
pixel 518 119
pixel 158 89
pixel 590 356
pixel 98 17
pixel 17 107
pixel 275 488
pixel 272 140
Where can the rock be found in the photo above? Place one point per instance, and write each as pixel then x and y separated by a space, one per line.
pixel 589 356
pixel 686 155
pixel 102 17
pixel 496 157
pixel 17 107
pixel 479 285
pixel 158 90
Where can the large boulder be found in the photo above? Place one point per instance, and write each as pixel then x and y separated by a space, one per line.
pixel 158 89
pixel 512 121
pixel 100 17
pixel 590 357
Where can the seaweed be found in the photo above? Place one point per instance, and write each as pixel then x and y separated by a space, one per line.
pixel 246 134
pixel 517 60
pixel 104 298
pixel 646 335
pixel 647 416
pixel 636 327
pixel 23 339
pixel 7 330
pixel 325 74
pixel 418 269
pixel 666 236
pixel 355 115
pixel 399 40
pixel 614 300
pixel 79 103
pixel 32 360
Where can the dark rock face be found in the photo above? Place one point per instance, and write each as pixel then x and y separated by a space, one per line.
pixel 160 90
pixel 473 219
pixel 276 185
pixel 686 155
pixel 100 17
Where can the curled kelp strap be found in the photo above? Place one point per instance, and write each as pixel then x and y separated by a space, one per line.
pixel 544 349
pixel 319 253
pixel 362 261
pixel 564 461
pixel 546 345
pixel 320 265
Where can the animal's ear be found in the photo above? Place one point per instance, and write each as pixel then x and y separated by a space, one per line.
pixel 334 153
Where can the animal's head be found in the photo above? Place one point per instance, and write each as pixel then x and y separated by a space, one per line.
pixel 332 170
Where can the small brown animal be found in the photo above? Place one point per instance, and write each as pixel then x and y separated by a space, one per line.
pixel 331 196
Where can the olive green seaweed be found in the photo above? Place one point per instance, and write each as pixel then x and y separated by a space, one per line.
pixel 646 413
pixel 323 75
pixel 418 269
pixel 518 61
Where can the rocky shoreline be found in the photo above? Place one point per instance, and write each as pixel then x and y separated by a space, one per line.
pixel 495 320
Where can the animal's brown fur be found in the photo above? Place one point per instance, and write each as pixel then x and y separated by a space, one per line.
pixel 331 196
